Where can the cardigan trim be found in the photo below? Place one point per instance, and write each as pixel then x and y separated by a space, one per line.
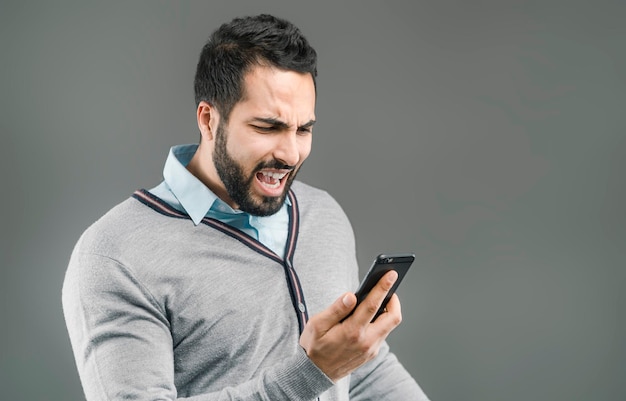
pixel 162 207
pixel 295 288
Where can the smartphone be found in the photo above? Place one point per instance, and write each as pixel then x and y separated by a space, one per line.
pixel 381 265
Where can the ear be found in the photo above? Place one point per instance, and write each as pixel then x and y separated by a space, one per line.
pixel 208 120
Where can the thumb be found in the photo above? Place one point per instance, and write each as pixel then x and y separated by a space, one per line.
pixel 348 300
pixel 344 306
pixel 337 311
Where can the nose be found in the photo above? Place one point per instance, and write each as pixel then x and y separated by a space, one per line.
pixel 287 150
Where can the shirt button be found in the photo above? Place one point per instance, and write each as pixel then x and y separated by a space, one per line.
pixel 301 307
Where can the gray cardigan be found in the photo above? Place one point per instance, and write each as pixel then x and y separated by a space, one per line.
pixel 160 309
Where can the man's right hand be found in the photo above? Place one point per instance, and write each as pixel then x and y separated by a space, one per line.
pixel 337 347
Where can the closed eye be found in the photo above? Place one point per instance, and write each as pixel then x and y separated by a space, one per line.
pixel 264 129
pixel 306 128
pixel 275 125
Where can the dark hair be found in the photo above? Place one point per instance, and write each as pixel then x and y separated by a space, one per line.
pixel 235 47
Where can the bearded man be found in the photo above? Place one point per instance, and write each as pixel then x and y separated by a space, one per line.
pixel 231 280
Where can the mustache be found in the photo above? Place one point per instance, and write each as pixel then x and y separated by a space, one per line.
pixel 274 164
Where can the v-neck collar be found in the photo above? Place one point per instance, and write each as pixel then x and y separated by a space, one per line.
pixel 164 208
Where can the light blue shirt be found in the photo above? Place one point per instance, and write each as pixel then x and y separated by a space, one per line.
pixel 186 193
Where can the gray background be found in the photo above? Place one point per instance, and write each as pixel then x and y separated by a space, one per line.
pixel 488 137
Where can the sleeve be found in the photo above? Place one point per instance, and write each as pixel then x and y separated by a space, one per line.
pixel 384 378
pixel 123 347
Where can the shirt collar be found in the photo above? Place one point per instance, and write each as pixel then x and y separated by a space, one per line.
pixel 192 194
pixel 195 197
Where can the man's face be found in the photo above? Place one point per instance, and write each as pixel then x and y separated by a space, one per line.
pixel 267 138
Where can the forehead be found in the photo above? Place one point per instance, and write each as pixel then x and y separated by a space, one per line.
pixel 276 93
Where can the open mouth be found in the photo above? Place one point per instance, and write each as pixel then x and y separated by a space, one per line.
pixel 271 179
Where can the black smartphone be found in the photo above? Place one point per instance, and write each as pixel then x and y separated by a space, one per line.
pixel 381 265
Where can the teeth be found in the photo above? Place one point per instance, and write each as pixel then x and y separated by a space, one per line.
pixel 272 179
pixel 277 176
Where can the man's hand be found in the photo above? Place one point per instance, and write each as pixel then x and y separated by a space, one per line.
pixel 338 348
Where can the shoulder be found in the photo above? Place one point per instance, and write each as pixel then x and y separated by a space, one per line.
pixel 124 224
pixel 125 241
pixel 318 205
pixel 308 195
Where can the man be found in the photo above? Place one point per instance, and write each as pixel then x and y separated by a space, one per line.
pixel 230 280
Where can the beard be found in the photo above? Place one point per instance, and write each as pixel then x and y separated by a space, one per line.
pixel 239 185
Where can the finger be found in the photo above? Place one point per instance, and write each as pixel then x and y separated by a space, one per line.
pixel 393 306
pixel 339 309
pixel 366 311
pixel 392 317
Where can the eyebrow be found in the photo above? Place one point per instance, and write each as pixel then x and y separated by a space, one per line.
pixel 281 124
